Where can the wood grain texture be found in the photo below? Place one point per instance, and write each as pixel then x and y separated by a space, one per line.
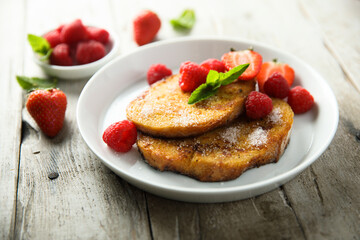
pixel 88 201
pixel 10 112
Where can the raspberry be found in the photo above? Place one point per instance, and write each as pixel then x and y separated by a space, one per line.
pixel 98 34
pixel 157 72
pixel 214 64
pixel 276 86
pixel 300 100
pixel 73 32
pixel 258 105
pixel 90 51
pixel 61 55
pixel 53 37
pixel 182 66
pixel 120 136
pixel 192 76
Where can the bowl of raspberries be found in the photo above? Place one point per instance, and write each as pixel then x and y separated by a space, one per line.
pixel 74 50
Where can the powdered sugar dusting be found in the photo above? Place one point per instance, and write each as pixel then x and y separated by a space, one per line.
pixel 258 137
pixel 230 135
pixel 275 116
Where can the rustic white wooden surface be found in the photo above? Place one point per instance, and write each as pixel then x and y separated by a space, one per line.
pixel 88 201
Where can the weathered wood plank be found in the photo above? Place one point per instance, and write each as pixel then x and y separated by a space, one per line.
pixel 86 200
pixel 339 22
pixel 10 111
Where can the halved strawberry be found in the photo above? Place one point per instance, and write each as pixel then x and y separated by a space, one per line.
pixel 235 58
pixel 268 68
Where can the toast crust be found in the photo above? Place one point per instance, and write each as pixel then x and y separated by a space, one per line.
pixel 224 153
pixel 163 109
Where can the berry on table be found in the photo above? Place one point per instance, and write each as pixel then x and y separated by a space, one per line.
pixel 258 105
pixel 157 72
pixel 192 75
pixel 235 58
pixel 120 136
pixel 276 86
pixel 47 107
pixel 145 27
pixel 300 100
pixel 61 55
pixel 89 51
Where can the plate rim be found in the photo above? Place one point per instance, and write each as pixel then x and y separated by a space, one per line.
pixel 273 181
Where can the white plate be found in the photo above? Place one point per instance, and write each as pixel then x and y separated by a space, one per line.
pixel 106 95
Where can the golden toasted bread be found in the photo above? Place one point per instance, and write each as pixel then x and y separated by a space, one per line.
pixel 163 109
pixel 224 153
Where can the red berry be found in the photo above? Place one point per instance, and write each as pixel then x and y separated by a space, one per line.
pixel 73 32
pixel 120 136
pixel 214 64
pixel 268 68
pixel 53 37
pixel 276 86
pixel 157 72
pixel 182 66
pixel 47 107
pixel 236 58
pixel 90 51
pixel 300 100
pixel 98 34
pixel 192 76
pixel 258 105
pixel 61 55
pixel 145 26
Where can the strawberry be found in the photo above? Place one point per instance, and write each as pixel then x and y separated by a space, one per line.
pixel 235 58
pixel 53 37
pixel 268 68
pixel 61 55
pixel 145 26
pixel 47 107
pixel 98 34
pixel 89 51
pixel 73 32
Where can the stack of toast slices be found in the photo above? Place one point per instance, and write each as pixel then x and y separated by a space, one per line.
pixel 211 140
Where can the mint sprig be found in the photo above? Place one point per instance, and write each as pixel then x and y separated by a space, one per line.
pixel 185 21
pixel 40 46
pixel 32 83
pixel 214 81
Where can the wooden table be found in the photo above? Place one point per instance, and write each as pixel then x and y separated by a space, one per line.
pixel 88 201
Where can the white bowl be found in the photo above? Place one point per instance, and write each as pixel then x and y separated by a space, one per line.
pixel 77 72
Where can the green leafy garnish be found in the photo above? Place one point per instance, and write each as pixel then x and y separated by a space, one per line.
pixel 32 83
pixel 40 46
pixel 214 81
pixel 185 22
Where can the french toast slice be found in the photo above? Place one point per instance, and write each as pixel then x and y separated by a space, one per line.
pixel 224 153
pixel 163 109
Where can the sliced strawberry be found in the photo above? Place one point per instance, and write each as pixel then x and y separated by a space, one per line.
pixel 268 68
pixel 235 58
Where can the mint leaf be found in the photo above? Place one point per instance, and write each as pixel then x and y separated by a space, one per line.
pixel 30 84
pixel 213 78
pixel 40 46
pixel 233 74
pixel 185 22
pixel 203 92
pixel 214 81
